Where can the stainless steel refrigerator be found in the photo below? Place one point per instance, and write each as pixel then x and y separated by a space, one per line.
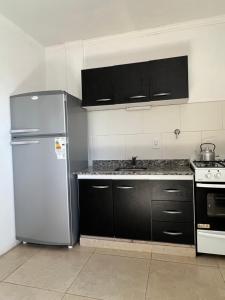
pixel 49 144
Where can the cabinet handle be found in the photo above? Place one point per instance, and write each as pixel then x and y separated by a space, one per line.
pixel 100 186
pixel 172 191
pixel 172 212
pixel 161 94
pixel 138 97
pixel 103 100
pixel 124 187
pixel 172 233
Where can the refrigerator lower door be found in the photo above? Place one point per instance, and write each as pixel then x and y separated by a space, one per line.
pixel 41 114
pixel 42 209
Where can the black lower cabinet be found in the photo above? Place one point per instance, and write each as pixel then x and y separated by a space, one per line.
pixel 173 232
pixel 96 207
pixel 137 210
pixel 132 209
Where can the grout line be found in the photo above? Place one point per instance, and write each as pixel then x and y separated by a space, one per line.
pixel 19 266
pixel 148 278
pixel 185 263
pixel 88 259
pixel 85 297
pixel 120 255
pixel 34 287
pixel 221 274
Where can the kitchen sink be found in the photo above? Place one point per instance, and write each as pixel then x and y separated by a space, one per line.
pixel 134 169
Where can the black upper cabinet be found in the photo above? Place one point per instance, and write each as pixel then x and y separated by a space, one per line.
pixel 132 209
pixel 97 86
pixel 131 83
pixel 168 78
pixel 96 207
pixel 161 79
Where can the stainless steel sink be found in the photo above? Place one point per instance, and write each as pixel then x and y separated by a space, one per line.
pixel 130 169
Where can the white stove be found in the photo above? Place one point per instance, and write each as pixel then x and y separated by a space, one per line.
pixel 210 206
pixel 209 171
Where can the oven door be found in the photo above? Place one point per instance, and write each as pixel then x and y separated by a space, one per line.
pixel 210 206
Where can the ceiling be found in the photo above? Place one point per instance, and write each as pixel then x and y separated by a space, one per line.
pixel 56 21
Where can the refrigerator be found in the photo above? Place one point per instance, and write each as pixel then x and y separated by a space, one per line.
pixel 49 145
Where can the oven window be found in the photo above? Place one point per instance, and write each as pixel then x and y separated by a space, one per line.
pixel 216 205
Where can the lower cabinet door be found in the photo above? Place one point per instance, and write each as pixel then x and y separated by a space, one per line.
pixel 132 209
pixel 173 232
pixel 96 207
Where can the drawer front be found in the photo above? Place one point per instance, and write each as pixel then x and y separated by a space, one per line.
pixel 180 190
pixel 172 211
pixel 173 232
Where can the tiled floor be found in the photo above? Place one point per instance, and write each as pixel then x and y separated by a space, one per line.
pixel 32 272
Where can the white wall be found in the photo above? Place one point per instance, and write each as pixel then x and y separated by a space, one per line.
pixel 119 134
pixel 21 69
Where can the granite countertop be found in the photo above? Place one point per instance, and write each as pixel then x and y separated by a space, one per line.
pixel 154 167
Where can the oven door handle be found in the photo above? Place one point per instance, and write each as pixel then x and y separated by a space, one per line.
pixel 213 186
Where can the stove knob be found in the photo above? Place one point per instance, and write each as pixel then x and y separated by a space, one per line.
pixel 217 175
pixel 208 175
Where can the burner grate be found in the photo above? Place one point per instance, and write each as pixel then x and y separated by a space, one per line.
pixel 209 164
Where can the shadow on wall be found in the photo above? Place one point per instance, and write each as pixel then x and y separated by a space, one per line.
pixel 34 81
pixel 137 52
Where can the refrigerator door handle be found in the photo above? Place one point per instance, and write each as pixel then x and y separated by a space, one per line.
pixel 24 130
pixel 24 143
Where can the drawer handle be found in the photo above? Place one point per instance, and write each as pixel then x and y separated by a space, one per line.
pixel 172 212
pixel 124 187
pixel 161 94
pixel 100 186
pixel 172 191
pixel 172 233
pixel 103 100
pixel 138 97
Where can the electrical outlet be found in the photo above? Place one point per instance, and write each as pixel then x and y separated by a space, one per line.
pixel 155 143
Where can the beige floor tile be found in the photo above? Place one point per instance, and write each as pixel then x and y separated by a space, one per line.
pixel 112 278
pixel 53 269
pixel 17 292
pixel 202 260
pixel 135 254
pixel 15 258
pixel 222 270
pixel 221 261
pixel 73 297
pixel 175 281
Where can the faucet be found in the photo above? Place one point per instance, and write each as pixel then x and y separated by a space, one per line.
pixel 133 161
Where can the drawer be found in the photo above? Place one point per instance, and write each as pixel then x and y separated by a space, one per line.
pixel 173 211
pixel 180 190
pixel 173 232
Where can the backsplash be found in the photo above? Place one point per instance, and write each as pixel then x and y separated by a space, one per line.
pixel 149 134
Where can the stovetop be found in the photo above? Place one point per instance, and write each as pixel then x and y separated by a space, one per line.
pixel 209 171
pixel 208 164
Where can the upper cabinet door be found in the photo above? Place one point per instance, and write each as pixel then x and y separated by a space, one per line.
pixel 131 83
pixel 97 86
pixel 169 78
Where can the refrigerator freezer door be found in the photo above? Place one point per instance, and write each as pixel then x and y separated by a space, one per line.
pixel 41 191
pixel 38 114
